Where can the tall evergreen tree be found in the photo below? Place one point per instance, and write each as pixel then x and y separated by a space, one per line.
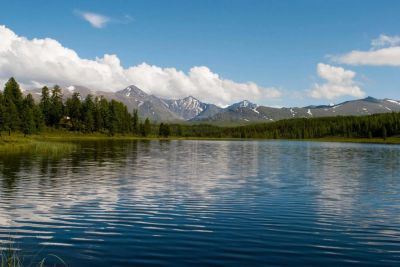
pixel 38 118
pixel 164 130
pixel 2 112
pixel 45 104
pixel 102 118
pixel 12 105
pixel 11 117
pixel 56 107
pixel 146 127
pixel 135 122
pixel 384 133
pixel 73 108
pixel 12 92
pixel 88 109
pixel 28 122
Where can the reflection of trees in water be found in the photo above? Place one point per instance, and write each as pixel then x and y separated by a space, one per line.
pixel 40 189
pixel 50 170
pixel 10 168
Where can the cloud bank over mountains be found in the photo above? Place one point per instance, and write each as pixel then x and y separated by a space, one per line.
pixel 45 61
pixel 37 62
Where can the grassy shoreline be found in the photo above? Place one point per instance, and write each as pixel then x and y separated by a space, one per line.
pixel 72 136
pixel 58 143
pixel 63 136
pixel 18 144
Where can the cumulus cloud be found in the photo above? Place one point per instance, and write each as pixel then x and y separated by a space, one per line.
pixel 96 20
pixel 45 61
pixel 338 82
pixel 385 51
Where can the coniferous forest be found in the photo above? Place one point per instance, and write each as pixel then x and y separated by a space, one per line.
pixel 19 113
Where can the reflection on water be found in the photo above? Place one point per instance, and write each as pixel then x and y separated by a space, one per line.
pixel 206 203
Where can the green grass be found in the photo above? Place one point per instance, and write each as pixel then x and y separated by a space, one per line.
pixel 389 140
pixel 17 144
pixel 70 136
pixel 11 257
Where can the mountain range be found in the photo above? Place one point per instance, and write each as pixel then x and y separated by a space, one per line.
pixel 193 110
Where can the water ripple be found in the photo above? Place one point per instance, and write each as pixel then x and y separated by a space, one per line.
pixel 200 203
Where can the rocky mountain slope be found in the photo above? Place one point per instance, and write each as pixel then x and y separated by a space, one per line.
pixel 190 107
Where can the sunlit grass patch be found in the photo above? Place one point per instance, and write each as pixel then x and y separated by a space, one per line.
pixel 16 144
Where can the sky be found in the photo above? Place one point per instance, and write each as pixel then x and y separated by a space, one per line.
pixel 276 53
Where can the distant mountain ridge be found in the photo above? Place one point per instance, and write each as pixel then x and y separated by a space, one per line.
pixel 193 110
pixel 248 112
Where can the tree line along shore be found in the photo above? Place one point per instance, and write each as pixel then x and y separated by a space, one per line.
pixel 97 116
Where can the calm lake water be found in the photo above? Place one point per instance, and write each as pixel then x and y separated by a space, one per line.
pixel 215 203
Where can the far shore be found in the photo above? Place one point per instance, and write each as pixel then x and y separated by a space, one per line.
pixel 57 141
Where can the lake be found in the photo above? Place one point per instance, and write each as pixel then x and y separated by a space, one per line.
pixel 205 203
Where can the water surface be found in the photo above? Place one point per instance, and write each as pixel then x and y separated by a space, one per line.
pixel 217 203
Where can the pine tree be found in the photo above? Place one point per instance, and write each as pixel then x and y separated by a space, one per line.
pixel 179 130
pixel 12 92
pixel 102 114
pixel 56 107
pixel 135 122
pixel 88 113
pixel 38 118
pixel 384 133
pixel 164 130
pixel 146 129
pixel 2 112
pixel 28 122
pixel 45 105
pixel 73 107
pixel 161 129
pixel 12 105
pixel 11 117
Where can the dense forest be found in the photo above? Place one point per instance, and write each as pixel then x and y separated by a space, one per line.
pixel 20 113
pixel 371 126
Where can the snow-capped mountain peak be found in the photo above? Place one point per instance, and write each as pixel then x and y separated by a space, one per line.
pixel 133 91
pixel 244 104
pixel 187 107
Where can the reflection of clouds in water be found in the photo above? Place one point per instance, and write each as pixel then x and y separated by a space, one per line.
pixel 138 176
pixel 191 169
pixel 350 177
pixel 336 173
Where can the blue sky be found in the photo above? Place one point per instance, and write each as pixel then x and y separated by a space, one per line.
pixel 274 44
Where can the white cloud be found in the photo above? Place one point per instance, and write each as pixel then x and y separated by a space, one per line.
pixel 96 20
pixel 46 61
pixel 385 51
pixel 339 82
pixel 385 40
